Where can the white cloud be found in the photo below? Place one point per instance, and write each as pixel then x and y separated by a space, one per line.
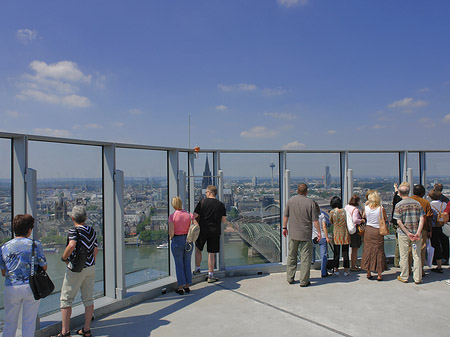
pixel 259 132
pixel 423 90
pixel 221 107
pixel 407 102
pixel 237 87
pixel 273 92
pixel 296 145
pixel 69 100
pixel 427 122
pixel 26 35
pixel 12 114
pixel 331 132
pixel 52 132
pixel 118 124
pixel 281 115
pixel 56 83
pixel 93 126
pixel 135 111
pixel 64 71
pixel 446 118
pixel 291 3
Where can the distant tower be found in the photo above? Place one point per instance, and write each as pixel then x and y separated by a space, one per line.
pixel 254 182
pixel 272 165
pixel 207 176
pixel 327 178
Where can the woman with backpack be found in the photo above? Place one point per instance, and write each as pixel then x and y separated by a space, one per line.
pixel 179 222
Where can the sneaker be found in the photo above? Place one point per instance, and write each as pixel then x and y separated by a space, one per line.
pixel 346 273
pixel 336 273
pixel 305 285
pixel 196 272
pixel 447 282
pixel 212 279
pixel 401 280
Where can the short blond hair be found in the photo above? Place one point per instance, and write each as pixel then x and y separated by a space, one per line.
pixel 177 203
pixel 374 199
pixel 212 189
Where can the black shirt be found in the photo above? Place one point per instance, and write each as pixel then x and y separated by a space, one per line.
pixel 210 211
pixel 88 239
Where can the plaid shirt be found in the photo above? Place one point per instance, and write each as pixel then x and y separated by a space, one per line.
pixel 408 211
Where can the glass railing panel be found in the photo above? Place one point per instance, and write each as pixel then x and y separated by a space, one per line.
pixel 321 172
pixel 146 214
pixel 414 164
pixel 67 175
pixel 204 176
pixel 5 205
pixel 376 171
pixel 183 166
pixel 438 164
pixel 252 200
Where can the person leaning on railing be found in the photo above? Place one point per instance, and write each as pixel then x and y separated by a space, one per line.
pixel 15 263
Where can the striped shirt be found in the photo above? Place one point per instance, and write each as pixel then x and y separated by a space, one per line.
pixel 88 239
pixel 409 212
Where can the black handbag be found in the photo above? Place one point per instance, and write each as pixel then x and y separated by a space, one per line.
pixel 40 283
pixel 77 262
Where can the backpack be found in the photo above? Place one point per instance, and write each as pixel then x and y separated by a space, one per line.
pixel 80 256
pixel 193 233
pixel 442 217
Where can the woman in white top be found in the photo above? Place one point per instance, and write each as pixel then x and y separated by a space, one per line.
pixel 373 258
pixel 437 206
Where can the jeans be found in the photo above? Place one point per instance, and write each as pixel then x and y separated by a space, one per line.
pixel 17 297
pixel 323 255
pixel 182 260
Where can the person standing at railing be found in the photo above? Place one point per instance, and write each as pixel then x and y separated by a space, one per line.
pixel 437 207
pixel 211 214
pixel 355 238
pixel 83 280
pixel 302 214
pixel 444 240
pixel 418 194
pixel 341 236
pixel 15 263
pixel 374 258
pixel 322 243
pixel 179 222
pixel 410 219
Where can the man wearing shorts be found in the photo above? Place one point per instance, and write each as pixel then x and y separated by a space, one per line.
pixel 210 213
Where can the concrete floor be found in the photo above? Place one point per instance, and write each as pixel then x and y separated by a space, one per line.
pixel 266 305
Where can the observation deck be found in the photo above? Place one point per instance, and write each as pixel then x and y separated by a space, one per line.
pixel 127 190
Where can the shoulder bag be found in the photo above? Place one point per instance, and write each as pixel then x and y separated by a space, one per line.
pixel 76 263
pixel 350 224
pixel 383 227
pixel 40 283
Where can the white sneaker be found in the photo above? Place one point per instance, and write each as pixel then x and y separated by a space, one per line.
pixel 336 273
pixel 447 282
pixel 346 274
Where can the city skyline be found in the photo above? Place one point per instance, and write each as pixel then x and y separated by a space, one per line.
pixel 259 74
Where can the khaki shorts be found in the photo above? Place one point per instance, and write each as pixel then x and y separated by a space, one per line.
pixel 83 280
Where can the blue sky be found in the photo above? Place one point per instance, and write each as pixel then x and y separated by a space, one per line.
pixel 253 74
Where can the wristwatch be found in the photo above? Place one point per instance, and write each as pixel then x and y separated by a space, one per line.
pixel 62 259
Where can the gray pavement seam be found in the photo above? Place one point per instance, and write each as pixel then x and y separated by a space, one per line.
pixel 285 311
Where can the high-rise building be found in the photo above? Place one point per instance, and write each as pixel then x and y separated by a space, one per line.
pixel 254 182
pixel 207 176
pixel 327 178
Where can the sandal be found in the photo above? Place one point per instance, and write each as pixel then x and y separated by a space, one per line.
pixel 67 334
pixel 81 332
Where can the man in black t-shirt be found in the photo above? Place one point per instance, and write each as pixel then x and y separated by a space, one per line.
pixel 210 213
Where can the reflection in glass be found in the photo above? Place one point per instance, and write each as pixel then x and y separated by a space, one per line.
pixel 252 200
pixel 437 171
pixel 146 214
